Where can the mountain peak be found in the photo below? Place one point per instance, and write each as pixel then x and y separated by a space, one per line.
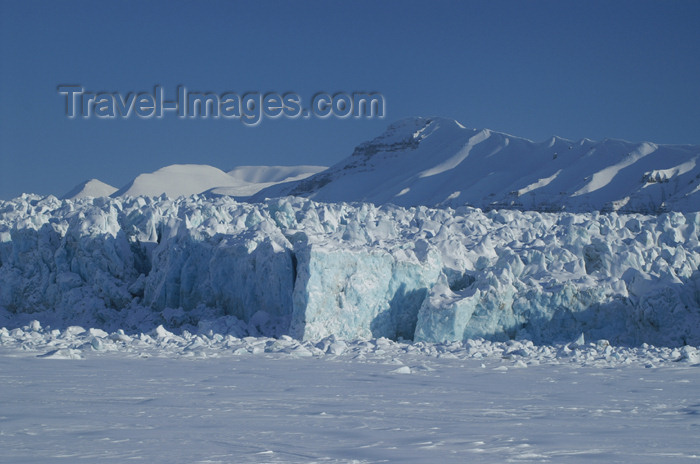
pixel 406 134
pixel 439 162
pixel 90 188
pixel 188 179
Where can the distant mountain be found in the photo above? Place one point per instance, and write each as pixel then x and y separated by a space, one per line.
pixel 267 174
pixel 90 188
pixel 436 161
pixel 252 179
pixel 176 180
pixel 187 179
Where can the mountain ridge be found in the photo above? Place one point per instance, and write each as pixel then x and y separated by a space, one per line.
pixel 187 179
pixel 440 162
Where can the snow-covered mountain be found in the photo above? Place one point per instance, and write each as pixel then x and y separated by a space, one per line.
pixel 439 162
pixel 252 179
pixel 90 188
pixel 177 180
pixel 188 179
pixel 435 161
pixel 269 174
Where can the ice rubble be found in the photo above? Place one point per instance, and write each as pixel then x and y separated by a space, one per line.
pixel 75 342
pixel 310 270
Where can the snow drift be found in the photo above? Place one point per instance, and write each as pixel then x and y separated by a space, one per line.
pixel 439 162
pixel 310 270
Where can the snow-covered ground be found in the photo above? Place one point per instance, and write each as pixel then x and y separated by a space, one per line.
pixel 85 395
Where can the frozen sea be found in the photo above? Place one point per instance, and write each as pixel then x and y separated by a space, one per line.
pixel 76 396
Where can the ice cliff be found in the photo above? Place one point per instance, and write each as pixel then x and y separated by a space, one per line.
pixel 310 270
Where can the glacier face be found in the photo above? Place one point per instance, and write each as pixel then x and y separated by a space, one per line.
pixel 310 270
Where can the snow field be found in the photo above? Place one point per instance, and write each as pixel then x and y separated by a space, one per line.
pixel 75 394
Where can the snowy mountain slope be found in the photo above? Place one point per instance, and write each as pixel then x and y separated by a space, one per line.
pixel 435 161
pixel 176 180
pixel 268 174
pixel 252 179
pixel 189 179
pixel 90 188
pixel 311 270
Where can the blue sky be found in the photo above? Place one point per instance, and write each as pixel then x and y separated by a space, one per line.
pixel 622 69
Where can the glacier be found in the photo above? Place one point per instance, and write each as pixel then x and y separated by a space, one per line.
pixel 292 266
